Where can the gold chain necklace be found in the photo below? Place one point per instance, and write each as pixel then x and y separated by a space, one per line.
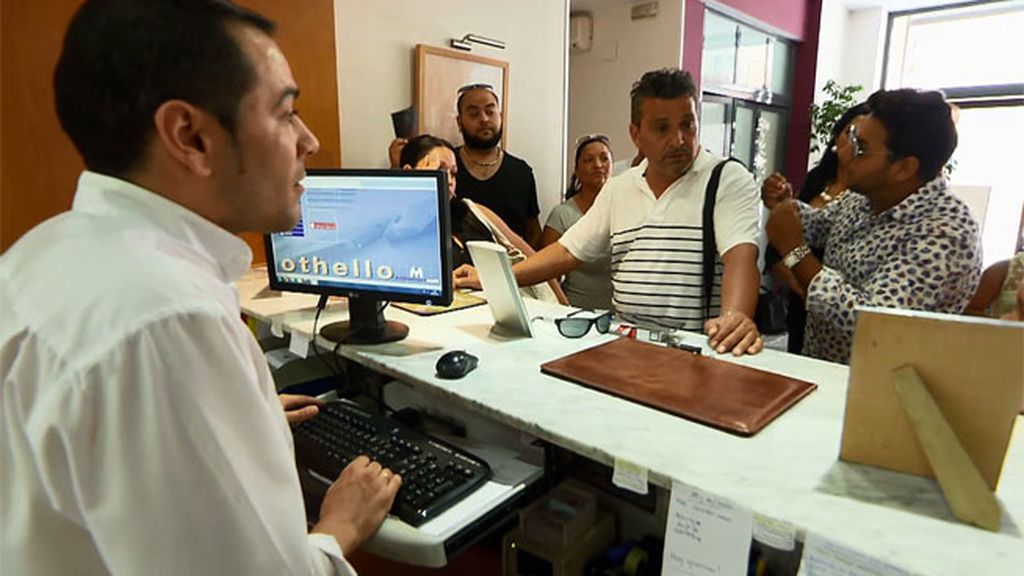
pixel 489 164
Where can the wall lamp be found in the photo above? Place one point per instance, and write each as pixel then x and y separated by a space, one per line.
pixel 467 41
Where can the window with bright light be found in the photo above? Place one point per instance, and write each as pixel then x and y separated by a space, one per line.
pixel 973 46
pixel 972 53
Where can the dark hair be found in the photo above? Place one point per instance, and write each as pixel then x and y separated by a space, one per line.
pixel 582 143
pixel 123 58
pixel 419 146
pixel 667 84
pixel 920 124
pixel 824 172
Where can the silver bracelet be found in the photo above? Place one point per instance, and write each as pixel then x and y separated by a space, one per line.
pixel 796 255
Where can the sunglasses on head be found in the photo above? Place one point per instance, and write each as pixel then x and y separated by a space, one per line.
pixel 584 140
pixel 468 87
pixel 573 326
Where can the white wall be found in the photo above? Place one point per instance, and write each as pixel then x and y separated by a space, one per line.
pixel 376 41
pixel 622 50
pixel 865 47
pixel 831 44
pixel 851 46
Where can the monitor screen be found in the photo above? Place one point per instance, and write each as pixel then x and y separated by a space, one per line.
pixel 370 235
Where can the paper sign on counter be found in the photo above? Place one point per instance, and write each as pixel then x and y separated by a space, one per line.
pixel 823 557
pixel 778 534
pixel 630 476
pixel 299 345
pixel 705 534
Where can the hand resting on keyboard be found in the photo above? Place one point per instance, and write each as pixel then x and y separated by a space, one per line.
pixel 436 475
pixel 357 502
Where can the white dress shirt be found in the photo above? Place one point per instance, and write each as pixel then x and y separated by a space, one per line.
pixel 140 432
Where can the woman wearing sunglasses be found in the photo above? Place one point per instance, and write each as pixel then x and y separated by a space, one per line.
pixel 590 285
pixel 823 184
pixel 469 220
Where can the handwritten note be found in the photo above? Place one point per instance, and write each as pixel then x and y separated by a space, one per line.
pixel 630 476
pixel 705 534
pixel 824 557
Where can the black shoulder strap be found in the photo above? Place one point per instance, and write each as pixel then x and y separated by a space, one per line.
pixel 708 240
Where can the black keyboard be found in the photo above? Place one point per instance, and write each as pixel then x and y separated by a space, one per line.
pixel 435 474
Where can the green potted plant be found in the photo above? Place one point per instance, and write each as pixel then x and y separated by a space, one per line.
pixel 823 116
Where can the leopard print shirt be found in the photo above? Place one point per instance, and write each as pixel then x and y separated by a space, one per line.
pixel 922 254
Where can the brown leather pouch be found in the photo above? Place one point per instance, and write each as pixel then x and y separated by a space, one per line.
pixel 727 396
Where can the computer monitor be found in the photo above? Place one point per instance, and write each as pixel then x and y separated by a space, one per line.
pixel 373 236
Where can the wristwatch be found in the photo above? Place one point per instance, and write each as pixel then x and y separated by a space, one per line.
pixel 796 255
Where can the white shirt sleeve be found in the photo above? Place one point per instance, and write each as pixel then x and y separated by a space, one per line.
pixel 175 454
pixel 736 209
pixel 589 239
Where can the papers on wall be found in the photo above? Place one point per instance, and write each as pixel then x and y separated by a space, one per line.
pixel 705 534
pixel 823 557
pixel 630 476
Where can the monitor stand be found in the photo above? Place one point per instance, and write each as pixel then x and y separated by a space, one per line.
pixel 366 325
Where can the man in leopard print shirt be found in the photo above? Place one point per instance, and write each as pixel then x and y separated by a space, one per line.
pixel 902 241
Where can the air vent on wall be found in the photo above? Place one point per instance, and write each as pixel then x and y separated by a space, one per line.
pixel 645 10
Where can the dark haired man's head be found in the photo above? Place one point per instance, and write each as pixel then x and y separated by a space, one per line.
pixel 665 84
pixel 192 100
pixel 479 118
pixel 427 152
pixel 902 143
pixel 919 124
pixel 123 58
pixel 664 125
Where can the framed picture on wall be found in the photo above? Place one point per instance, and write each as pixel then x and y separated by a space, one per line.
pixel 440 73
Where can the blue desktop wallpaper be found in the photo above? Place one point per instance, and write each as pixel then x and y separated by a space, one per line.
pixel 377 238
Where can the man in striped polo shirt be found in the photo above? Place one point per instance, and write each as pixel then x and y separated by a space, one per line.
pixel 649 220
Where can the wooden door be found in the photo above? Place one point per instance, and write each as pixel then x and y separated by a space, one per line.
pixel 38 164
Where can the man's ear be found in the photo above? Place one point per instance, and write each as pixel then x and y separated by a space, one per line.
pixel 634 134
pixel 905 169
pixel 183 131
pixel 458 121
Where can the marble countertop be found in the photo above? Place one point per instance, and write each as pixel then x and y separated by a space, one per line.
pixel 789 471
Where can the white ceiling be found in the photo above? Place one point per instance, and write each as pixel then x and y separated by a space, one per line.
pixel 890 5
pixel 894 5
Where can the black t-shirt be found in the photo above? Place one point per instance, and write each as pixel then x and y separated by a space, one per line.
pixel 511 192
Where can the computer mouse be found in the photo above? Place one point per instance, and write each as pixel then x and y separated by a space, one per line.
pixel 456 364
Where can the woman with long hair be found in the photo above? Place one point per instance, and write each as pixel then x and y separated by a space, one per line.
pixel 825 183
pixel 590 285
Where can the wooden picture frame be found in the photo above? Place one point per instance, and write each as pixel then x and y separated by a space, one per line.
pixel 440 73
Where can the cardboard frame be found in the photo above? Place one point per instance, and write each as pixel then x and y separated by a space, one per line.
pixel 972 369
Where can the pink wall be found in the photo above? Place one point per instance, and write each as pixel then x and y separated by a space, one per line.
pixel 798 144
pixel 787 15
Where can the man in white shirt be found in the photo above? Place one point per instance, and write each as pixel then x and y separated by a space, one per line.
pixel 140 432
pixel 650 220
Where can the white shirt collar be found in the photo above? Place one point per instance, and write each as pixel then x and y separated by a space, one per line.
pixel 102 194
pixel 701 162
